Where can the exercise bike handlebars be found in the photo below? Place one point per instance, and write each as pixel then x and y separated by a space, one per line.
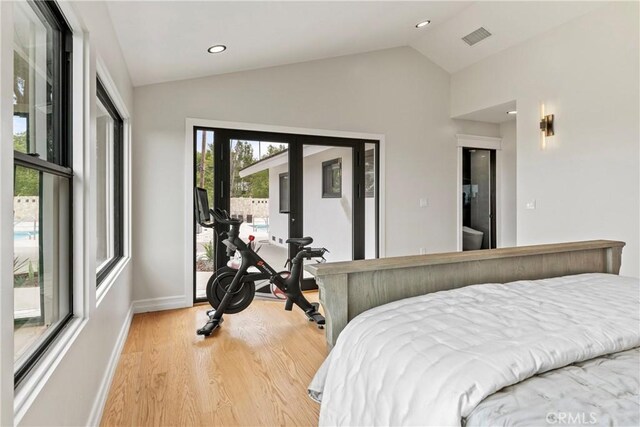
pixel 222 217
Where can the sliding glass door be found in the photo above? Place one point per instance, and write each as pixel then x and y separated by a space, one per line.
pixel 282 186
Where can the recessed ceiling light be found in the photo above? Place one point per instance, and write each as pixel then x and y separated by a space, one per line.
pixel 512 112
pixel 423 24
pixel 217 48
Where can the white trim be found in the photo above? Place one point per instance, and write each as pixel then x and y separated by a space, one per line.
pixel 102 72
pixel 103 391
pixel 486 143
pixel 159 304
pixel 477 141
pixel 109 85
pixel 191 123
pixel 110 279
pixel 6 215
pixel 281 159
pixel 31 386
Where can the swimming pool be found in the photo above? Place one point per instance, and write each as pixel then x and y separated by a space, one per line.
pixel 24 235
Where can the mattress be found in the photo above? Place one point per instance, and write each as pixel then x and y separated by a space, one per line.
pixel 436 358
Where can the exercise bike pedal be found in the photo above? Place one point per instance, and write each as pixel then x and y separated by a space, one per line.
pixel 209 327
pixel 314 316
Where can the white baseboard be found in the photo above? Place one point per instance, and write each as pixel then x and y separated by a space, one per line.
pixel 140 306
pixel 103 392
pixel 159 304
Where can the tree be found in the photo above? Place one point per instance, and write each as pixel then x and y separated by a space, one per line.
pixel 241 157
pixel 206 181
pixel 257 184
pixel 26 181
pixel 259 181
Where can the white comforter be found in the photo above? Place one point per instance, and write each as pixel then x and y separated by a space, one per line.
pixel 430 360
pixel 604 391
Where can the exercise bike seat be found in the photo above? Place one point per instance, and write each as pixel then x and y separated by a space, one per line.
pixel 300 241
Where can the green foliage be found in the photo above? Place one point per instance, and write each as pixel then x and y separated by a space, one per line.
pixel 18 264
pixel 259 184
pixel 242 156
pixel 255 185
pixel 26 181
pixel 207 183
pixel 272 150
pixel 208 251
pixel 21 279
pixel 31 271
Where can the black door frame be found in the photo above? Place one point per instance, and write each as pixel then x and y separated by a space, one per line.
pixel 493 242
pixel 296 142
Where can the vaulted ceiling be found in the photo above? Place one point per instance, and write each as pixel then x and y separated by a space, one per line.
pixel 168 40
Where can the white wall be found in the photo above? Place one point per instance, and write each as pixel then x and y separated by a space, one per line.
pixel 329 220
pixel 585 182
pixel 472 127
pixel 71 390
pixel 278 222
pixel 395 92
pixel 507 176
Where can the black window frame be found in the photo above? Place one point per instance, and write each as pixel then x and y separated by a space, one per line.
pixel 118 182
pixel 370 159
pixel 59 160
pixel 284 203
pixel 327 179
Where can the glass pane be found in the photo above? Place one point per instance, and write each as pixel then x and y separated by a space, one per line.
pixel 41 253
pixel 205 246
pixel 328 199
pixel 370 201
pixel 260 196
pixel 105 233
pixel 34 64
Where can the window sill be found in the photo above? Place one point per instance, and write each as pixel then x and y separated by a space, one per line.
pixel 31 386
pixel 110 279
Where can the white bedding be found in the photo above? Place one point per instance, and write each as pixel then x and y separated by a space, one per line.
pixel 601 392
pixel 430 360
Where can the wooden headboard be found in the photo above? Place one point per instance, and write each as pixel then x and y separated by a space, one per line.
pixel 349 288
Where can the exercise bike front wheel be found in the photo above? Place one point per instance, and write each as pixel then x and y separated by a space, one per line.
pixel 217 287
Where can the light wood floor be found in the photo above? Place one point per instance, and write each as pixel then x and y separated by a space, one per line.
pixel 253 371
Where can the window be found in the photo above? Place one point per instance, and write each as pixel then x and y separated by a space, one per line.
pixel 43 178
pixel 332 179
pixel 109 185
pixel 284 193
pixel 369 173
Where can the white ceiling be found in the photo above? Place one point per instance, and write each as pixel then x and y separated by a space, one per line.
pixel 168 40
pixel 164 41
pixel 509 22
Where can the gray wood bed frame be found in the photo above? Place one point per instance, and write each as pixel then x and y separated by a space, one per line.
pixel 349 288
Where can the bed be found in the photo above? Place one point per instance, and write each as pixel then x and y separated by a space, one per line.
pixel 543 340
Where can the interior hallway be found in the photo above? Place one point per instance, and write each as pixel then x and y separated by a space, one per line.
pixel 253 371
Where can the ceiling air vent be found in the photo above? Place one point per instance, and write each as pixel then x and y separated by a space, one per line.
pixel 476 36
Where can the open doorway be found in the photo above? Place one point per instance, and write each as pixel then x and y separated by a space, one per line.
pixel 478 199
pixel 285 185
pixel 487 178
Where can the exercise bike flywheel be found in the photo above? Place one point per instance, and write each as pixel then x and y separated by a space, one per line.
pixel 218 286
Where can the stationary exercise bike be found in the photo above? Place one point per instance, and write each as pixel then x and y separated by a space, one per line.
pixel 231 290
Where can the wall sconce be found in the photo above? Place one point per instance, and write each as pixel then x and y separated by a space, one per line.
pixel 546 125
